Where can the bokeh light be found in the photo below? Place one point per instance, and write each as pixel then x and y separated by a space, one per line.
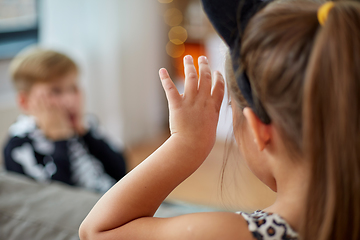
pixel 165 1
pixel 175 50
pixel 173 17
pixel 177 35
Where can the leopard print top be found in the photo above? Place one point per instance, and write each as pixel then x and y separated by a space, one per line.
pixel 269 226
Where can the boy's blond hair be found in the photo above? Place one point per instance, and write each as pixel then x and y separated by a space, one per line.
pixel 39 65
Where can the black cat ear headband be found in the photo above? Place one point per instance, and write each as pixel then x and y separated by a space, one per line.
pixel 229 18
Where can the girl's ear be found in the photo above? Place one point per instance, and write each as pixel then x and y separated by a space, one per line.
pixel 260 130
pixel 23 100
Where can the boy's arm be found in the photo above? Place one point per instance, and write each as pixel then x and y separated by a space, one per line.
pixel 9 162
pixel 112 159
pixel 19 156
pixel 66 161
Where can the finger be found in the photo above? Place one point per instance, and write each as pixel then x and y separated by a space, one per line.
pixel 170 89
pixel 32 104
pixel 191 78
pixel 49 100
pixel 56 104
pixel 41 101
pixel 218 90
pixel 205 76
pixel 52 103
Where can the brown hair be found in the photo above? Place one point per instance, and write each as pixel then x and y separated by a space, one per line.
pixel 39 65
pixel 308 78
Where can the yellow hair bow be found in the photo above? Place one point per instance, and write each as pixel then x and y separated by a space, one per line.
pixel 323 12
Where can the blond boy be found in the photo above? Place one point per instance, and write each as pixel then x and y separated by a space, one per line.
pixel 53 140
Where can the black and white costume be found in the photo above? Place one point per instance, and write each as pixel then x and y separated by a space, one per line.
pixel 87 161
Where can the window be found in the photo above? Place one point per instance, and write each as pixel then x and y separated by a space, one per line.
pixel 18 26
pixel 18 29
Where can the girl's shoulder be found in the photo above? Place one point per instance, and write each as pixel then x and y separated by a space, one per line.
pixel 265 225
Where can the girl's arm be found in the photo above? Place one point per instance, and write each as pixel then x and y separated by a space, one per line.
pixel 126 210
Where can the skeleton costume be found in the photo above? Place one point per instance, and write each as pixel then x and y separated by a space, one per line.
pixel 88 161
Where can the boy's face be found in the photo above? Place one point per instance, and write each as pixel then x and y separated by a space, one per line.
pixel 62 94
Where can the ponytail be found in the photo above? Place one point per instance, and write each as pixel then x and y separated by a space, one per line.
pixel 331 127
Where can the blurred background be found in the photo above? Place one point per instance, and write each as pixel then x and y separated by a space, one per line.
pixel 120 46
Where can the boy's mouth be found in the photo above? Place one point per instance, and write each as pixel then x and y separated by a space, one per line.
pixel 72 118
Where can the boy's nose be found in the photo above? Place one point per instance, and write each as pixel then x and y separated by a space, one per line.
pixel 70 100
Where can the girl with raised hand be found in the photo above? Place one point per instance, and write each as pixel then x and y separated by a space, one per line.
pixel 294 78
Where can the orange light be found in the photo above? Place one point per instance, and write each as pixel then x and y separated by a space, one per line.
pixel 195 50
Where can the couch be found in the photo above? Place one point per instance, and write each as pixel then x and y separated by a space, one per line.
pixel 41 211
pixel 54 211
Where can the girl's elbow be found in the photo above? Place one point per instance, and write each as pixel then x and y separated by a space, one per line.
pixel 83 232
pixel 87 232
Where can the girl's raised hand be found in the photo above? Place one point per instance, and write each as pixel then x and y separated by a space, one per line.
pixel 195 113
pixel 126 210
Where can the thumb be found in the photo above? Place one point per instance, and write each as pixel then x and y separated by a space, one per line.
pixel 218 90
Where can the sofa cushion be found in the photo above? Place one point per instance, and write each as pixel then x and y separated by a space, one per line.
pixel 31 210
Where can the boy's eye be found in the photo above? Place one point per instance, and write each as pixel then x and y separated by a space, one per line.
pixel 55 91
pixel 74 89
